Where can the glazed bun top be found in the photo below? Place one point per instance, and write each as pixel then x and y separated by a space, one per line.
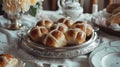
pixel 116 10
pixel 67 21
pixel 84 26
pixel 110 8
pixel 37 32
pixel 75 36
pixel 7 60
pixel 59 26
pixel 114 19
pixel 45 22
pixel 55 38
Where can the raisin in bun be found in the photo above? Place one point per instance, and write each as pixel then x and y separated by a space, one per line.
pixel 111 7
pixel 37 32
pixel 84 26
pixel 55 38
pixel 75 36
pixel 59 26
pixel 67 21
pixel 7 60
pixel 45 22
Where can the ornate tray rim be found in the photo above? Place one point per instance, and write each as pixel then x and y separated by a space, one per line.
pixel 60 52
pixel 93 37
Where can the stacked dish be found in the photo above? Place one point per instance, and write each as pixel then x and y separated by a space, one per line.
pixel 107 55
pixel 108 20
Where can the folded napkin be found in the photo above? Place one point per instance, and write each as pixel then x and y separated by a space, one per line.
pixel 10 37
pixel 3 41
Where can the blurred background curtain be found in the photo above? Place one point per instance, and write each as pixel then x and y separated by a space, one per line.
pixel 86 4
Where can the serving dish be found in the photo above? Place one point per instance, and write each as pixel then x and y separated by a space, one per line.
pixel 103 55
pixel 62 52
pixel 108 30
pixel 100 20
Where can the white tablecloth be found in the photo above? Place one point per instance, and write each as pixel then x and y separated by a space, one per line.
pixel 9 40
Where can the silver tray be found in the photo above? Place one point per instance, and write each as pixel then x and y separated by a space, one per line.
pixel 39 50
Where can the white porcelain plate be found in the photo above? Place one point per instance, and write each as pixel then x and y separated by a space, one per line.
pixel 107 56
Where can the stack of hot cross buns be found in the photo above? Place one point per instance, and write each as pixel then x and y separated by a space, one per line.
pixel 63 32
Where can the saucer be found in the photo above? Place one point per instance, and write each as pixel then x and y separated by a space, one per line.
pixel 103 55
